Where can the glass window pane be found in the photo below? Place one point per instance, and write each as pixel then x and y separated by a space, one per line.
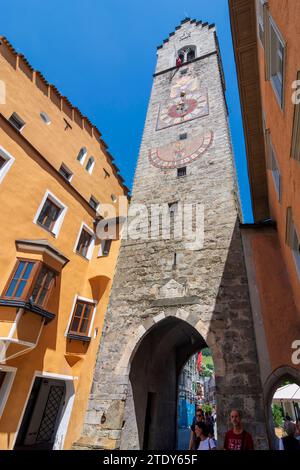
pixel 83 326
pixel 27 271
pixel 11 288
pixel 75 324
pixel 20 289
pixel 87 311
pixel 42 296
pixel 78 311
pixel 19 270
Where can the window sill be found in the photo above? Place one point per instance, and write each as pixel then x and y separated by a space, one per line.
pixel 21 303
pixel 82 256
pixel 54 235
pixel 78 337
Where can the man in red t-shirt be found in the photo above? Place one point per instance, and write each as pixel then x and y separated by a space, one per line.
pixel 237 438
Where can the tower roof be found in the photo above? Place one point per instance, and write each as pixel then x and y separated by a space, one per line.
pixel 186 20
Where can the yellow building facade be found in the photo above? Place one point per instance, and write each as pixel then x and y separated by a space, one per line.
pixel 55 274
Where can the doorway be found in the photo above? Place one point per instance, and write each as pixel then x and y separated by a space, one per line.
pixel 42 415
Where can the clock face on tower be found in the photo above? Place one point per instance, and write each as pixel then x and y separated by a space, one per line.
pixel 180 153
pixel 182 108
pixel 186 101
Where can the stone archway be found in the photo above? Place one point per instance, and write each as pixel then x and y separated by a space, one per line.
pixel 155 361
pixel 270 387
pixel 154 372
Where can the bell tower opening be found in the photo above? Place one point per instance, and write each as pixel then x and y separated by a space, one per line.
pixel 186 54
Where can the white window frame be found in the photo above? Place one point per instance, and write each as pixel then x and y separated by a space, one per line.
pixel 271 25
pixel 45 118
pixel 92 244
pixel 90 170
pixel 9 162
pixel 82 299
pixel 7 385
pixel 68 170
pixel 82 160
pixel 59 221
pixel 101 249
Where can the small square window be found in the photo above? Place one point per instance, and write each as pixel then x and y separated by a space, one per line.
pixel 16 121
pixel 65 172
pixel 106 174
pixel 181 171
pixel 49 214
pixel 81 318
pixel 183 136
pixel 84 243
pixel 94 203
pixel 105 248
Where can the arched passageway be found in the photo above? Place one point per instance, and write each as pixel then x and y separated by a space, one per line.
pixel 155 368
pixel 282 399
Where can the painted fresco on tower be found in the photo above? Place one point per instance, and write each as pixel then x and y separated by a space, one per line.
pixel 181 152
pixel 187 100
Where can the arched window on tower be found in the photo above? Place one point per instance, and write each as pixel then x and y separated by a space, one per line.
pixel 186 54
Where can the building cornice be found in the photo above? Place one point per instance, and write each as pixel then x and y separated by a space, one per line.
pixel 244 36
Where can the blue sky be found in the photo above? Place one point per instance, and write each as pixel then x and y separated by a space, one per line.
pixel 101 54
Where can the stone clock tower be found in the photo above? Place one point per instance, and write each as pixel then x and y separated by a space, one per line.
pixel 171 298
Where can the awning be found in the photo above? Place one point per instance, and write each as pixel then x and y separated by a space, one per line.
pixel 290 392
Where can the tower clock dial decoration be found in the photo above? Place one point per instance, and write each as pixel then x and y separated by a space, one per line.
pixel 181 152
pixel 187 101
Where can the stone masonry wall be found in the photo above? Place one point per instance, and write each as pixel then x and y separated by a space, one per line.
pixel 214 276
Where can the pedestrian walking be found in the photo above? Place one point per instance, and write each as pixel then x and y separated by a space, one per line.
pixel 237 438
pixel 205 442
pixel 194 441
pixel 289 442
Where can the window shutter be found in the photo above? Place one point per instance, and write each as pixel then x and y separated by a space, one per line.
pixel 289 227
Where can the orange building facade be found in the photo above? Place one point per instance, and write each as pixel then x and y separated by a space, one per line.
pixel 266 39
pixel 56 275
